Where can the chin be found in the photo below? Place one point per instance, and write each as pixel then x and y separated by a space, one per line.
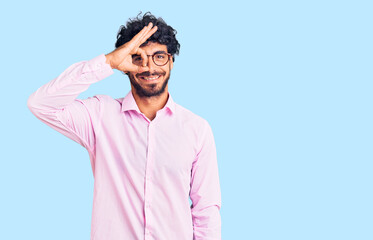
pixel 149 89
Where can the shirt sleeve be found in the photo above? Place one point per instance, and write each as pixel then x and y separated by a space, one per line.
pixel 205 190
pixel 56 105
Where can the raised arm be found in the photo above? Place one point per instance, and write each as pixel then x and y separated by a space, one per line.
pixel 56 103
pixel 205 190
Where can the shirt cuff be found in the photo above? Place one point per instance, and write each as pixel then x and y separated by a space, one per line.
pixel 99 66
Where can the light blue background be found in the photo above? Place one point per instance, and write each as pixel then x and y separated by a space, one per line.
pixel 285 85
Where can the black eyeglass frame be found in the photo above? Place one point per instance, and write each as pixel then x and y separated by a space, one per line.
pixel 168 59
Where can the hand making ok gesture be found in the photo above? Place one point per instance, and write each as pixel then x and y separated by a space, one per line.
pixel 121 58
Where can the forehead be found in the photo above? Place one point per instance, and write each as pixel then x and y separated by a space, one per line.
pixel 153 47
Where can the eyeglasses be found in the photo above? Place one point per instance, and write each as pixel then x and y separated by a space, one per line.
pixel 159 59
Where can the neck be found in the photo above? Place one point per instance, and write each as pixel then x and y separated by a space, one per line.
pixel 150 105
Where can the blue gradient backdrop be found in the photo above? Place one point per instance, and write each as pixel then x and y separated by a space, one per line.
pixel 285 85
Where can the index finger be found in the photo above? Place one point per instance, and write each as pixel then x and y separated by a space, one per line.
pixel 136 40
pixel 148 35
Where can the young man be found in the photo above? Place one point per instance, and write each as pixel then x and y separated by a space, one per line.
pixel 148 154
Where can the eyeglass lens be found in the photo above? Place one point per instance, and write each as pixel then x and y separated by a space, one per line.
pixel 159 59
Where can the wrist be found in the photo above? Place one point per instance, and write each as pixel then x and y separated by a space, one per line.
pixel 108 60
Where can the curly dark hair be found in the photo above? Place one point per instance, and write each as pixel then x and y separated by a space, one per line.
pixel 165 34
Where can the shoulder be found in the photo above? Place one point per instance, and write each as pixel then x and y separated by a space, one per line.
pixel 191 120
pixel 195 127
pixel 106 99
pixel 101 101
pixel 100 98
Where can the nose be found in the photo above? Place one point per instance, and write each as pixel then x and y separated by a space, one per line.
pixel 150 63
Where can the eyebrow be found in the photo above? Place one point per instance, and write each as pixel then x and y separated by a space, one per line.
pixel 159 52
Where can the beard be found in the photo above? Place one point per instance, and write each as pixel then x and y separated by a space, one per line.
pixel 151 90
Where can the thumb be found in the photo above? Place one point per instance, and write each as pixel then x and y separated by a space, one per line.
pixel 143 55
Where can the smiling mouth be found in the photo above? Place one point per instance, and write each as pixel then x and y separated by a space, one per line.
pixel 150 78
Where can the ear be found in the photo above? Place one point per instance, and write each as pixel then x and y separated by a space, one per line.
pixel 171 62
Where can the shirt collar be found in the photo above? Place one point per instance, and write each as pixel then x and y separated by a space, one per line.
pixel 129 103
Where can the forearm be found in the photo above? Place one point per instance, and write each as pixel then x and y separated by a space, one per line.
pixel 205 190
pixel 64 89
pixel 207 223
pixel 56 105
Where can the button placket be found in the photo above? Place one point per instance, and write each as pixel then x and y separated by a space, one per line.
pixel 148 183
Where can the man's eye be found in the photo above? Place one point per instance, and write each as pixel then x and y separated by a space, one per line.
pixel 160 56
pixel 136 58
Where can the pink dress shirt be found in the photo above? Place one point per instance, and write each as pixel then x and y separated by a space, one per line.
pixel 144 171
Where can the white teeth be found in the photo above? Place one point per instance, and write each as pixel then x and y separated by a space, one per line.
pixel 152 78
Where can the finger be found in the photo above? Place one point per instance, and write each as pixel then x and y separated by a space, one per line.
pixel 135 68
pixel 138 37
pixel 148 34
pixel 143 56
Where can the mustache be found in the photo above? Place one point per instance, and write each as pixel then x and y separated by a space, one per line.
pixel 148 74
